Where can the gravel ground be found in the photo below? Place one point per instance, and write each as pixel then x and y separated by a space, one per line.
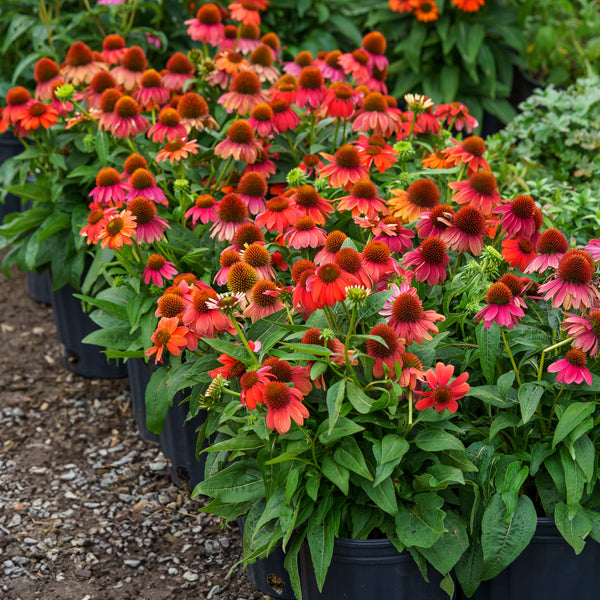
pixel 87 509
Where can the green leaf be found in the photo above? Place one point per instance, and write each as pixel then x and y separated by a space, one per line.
pixel 291 562
pixel 384 495
pixel 349 455
pixel 157 400
pixel 468 568
pixel 347 28
pixel 570 419
pixel 502 421
pixel 423 524
pixel 112 338
pixel 239 482
pixel 390 448
pixel 469 37
pixel 539 453
pixel 337 474
pixel 490 394
pixel 335 397
pixel 585 455
pixel 433 440
pixel 529 397
pixel 575 530
pixel 243 442
pixel 343 427
pixel 320 542
pixel 488 341
pixel 502 542
pixel 514 478
pixel 574 481
pixel 18 26
pixel 448 549
pixel 359 400
pixel 101 143
pixel 236 351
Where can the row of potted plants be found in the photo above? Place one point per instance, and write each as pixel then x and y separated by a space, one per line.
pixel 372 341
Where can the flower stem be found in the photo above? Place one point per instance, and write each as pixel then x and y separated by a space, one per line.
pixel 335 135
pixel 293 150
pixel 512 360
pixel 222 174
pixel 552 408
pixel 245 342
pixel 548 349
pixel 410 407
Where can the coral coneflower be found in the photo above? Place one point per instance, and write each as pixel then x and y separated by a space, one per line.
pixel 257 256
pixel 435 221
pixel 133 162
pixel 585 330
pixel 374 150
pixel 168 125
pixel 467 231
pixel 261 119
pixel 356 64
pixel 333 243
pixel 378 261
pixel 518 217
pixel 430 260
pixel 241 278
pixel 284 404
pixel 227 259
pixel 207 27
pixel 351 261
pixel 95 225
pixel 303 59
pixel 249 37
pixel 279 215
pixel 443 394
pixel 304 234
pixel 412 371
pixel 246 12
pixel 203 209
pixel 345 168
pixel 374 44
pixel 468 5
pixel 109 190
pixel 150 227
pixel 252 188
pixel 131 70
pixel 108 100
pixel 456 115
pixel 18 100
pixel 264 300
pixel 389 230
pixel 239 143
pixel 151 94
pixel 262 61
pixel 143 183
pixel 422 195
pixel 310 203
pixel 503 307
pixel 177 150
pixel 363 200
pixel 170 305
pixel 80 65
pixel 246 234
pixel 377 116
pixel 328 284
pixel 340 101
pixel 572 284
pixel 405 315
pixel 127 122
pixel 102 81
pixel 45 73
pixel 480 191
pixel 252 386
pixel 117 229
pixel 179 72
pixel 284 117
pixel 168 335
pixel 518 252
pixel 389 354
pixel 201 318
pixel 231 213
pixel 158 268
pixel 194 113
pixel 37 114
pixel 468 152
pixel 113 49
pixel 571 368
pixel 283 371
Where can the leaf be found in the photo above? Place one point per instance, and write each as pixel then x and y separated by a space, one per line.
pixel 488 341
pixel 384 495
pixel 585 455
pixel 468 568
pixel 359 400
pixel 336 473
pixel 423 524
pixel 574 530
pixel 157 400
pixel 514 478
pixel 448 549
pixel 343 427
pixel 347 28
pixel 18 26
pixel 239 482
pixel 390 448
pixel 437 439
pixel 468 40
pixel 574 481
pixel 502 421
pixel 335 397
pixel 529 397
pixel 571 418
pixel 490 394
pixel 320 542
pixel 502 542
pixel 236 351
pixel 349 455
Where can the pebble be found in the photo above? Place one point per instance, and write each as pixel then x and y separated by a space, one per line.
pixel 134 564
pixel 189 576
pixel 213 592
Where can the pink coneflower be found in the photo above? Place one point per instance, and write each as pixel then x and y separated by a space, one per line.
pixel 252 188
pixel 422 195
pixel 261 119
pixel 143 183
pixel 390 231
pixel 179 72
pixel 229 41
pixel 503 307
pixel 374 150
pixel 350 261
pixel 126 121
pixel 377 116
pixel 263 164
pixel 378 261
pixel 168 125
pixel 443 394
pixel 246 234
pixel 203 210
pixel 249 38
pixel 333 244
pixel 312 204
pixel 518 252
pixel 434 222
pixel 93 94
pixel 345 168
pixel 356 64
pixel 593 247
pixel 18 100
pixel 303 59
pixel 239 143
pixel 252 386
pixel 194 113
pixel 131 70
pixel 80 65
pixel 259 258
pixel 279 215
pixel 150 227
pixel 480 191
pixel 151 94
pixel 585 329
pixel 168 335
pixel 572 285
pixel 412 371
pixel 109 190
pixel 328 285
pixel 283 371
pixel 284 404
pixel 130 165
pixel 262 62
pixel 284 117
pixel 468 152
pixel 158 268
pixel 339 102
pixel 389 354
pixel 456 115
pixel 311 88
pixel 95 225
pixel 518 217
pixel 330 66
pixel 207 27
pixel 571 368
pixel 245 93
pixel 232 212
pixel 374 44
pixel 305 234
pixel 201 318
pixel 405 315
pixel 117 229
pixel 108 100
pixel 430 259
pixel 113 49
pixel 466 232
pixel 363 200
pixel 227 259
pixel 177 150
pixel 45 73
pixel 264 300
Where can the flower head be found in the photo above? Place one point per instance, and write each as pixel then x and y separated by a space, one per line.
pixel 571 368
pixel 284 404
pixel 168 335
pixel 388 354
pixel 158 267
pixel 502 307
pixel 443 394
pixel 430 261
pixel 585 329
pixel 117 229
pixel 421 196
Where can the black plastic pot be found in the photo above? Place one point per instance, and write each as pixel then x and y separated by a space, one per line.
pixel 548 568
pixel 72 325
pixel 139 376
pixel 270 577
pixel 178 443
pixel 369 569
pixel 9 146
pixel 38 286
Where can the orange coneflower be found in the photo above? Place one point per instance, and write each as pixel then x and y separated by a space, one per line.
pixel 80 65
pixel 468 5
pixel 117 229
pixel 425 10
pixel 363 200
pixel 377 260
pixel 201 317
pixel 518 252
pixel 95 224
pixel 245 11
pixel 38 114
pixel 468 152
pixel 327 285
pixel 169 335
pixel 280 214
pixel 420 196
pixel 177 150
pixel 374 150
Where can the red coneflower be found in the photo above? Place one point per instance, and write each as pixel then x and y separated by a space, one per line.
pixel 378 261
pixel 231 366
pixel 109 190
pixel 201 318
pixel 206 27
pixel 468 5
pixel 158 267
pixel 126 120
pixel 468 152
pixel 151 94
pixel 37 114
pixel 264 300
pixel 45 73
pixel 283 371
pixel 518 252
pixel 571 368
pixel 363 200
pixel 113 49
pixel 311 88
pixel 333 243
pixel 328 284
pixel 518 217
pixel 203 209
pixel 466 232
pixel 252 386
pixel 262 62
pixel 430 259
pixel 405 315
pixel 345 168
pixel 377 116
pixel 279 215
pixel 284 404
pixel 80 65
pixel 95 225
pixel 572 286
pixel 456 114
pixel 310 203
pixel 239 143
pixel 400 6
pixel 303 59
pixel 18 100
pixel 350 261
pixel 374 150
pixel 389 354
pixel 305 234
pixel 143 183
pixel 480 191
pixel 422 195
pixel 585 329
pixel 284 117
pixel 193 110
pixel 412 371
pixel 179 72
pixel 286 89
pixel 168 125
pixel 356 64
pixel 340 101
pixel 168 335
pixel 503 307
pixel 150 227
pixel 117 229
pixel 232 212
pixel 443 394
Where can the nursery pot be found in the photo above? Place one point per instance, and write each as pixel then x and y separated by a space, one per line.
pixel 139 376
pixel 548 568
pixel 38 286
pixel 72 325
pixel 369 569
pixel 9 146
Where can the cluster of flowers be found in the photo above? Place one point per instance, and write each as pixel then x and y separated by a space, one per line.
pixel 427 10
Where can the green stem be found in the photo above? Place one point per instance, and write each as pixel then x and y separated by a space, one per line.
pixel 410 408
pixel 294 154
pixel 222 174
pixel 347 347
pixel 553 407
pixel 335 135
pixel 245 342
pixel 512 360
pixel 330 318
pixel 549 349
